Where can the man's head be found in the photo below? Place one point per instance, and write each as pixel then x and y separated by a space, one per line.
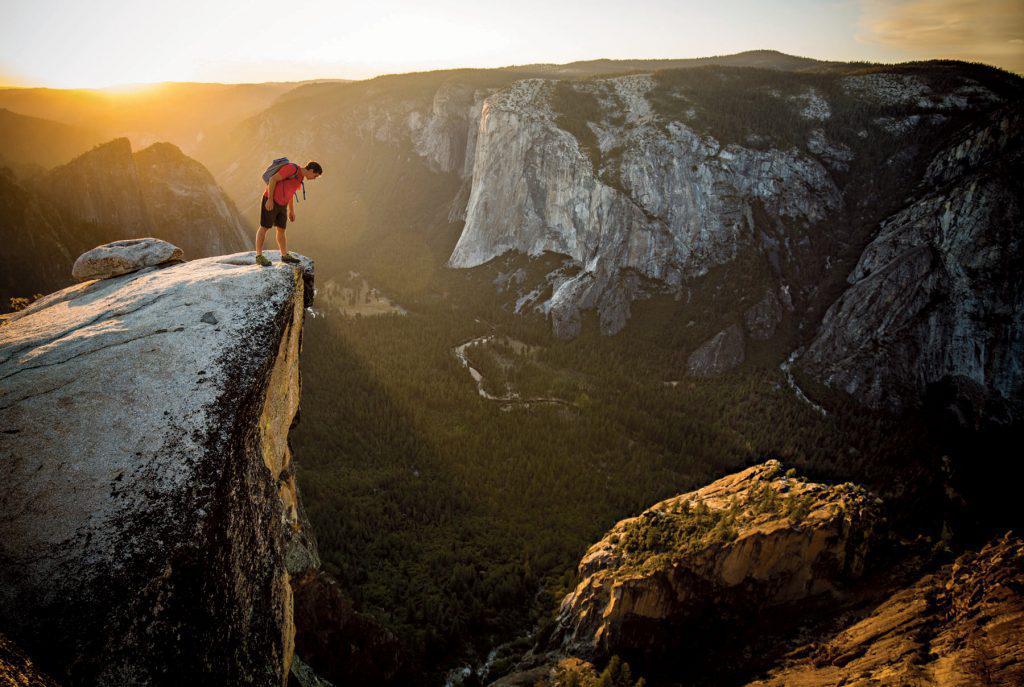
pixel 313 170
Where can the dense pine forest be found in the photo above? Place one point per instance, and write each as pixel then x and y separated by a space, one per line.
pixel 458 520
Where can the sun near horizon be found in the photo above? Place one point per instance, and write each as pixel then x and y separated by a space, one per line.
pixel 130 46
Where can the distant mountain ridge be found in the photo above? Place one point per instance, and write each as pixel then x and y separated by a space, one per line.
pixel 31 141
pixel 182 113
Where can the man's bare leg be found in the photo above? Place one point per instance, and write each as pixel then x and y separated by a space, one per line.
pixel 282 241
pixel 261 234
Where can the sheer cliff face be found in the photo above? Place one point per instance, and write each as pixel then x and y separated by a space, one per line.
pixel 937 297
pixel 150 527
pixel 664 201
pixel 627 177
pixel 642 199
pixel 106 194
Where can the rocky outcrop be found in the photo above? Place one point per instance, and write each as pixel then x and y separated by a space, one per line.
pixel 186 206
pixel 962 625
pixel 656 585
pixel 100 189
pixel 936 298
pixel 121 257
pixel 722 352
pixel 149 516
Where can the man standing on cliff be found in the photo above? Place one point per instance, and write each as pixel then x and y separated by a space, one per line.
pixel 278 205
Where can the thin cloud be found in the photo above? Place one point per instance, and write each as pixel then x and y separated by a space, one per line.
pixel 989 31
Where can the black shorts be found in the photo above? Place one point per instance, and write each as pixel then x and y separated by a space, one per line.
pixel 278 217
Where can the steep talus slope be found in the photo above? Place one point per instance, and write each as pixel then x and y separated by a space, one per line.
pixel 661 585
pixel 106 194
pixel 149 522
pixel 936 301
pixel 962 625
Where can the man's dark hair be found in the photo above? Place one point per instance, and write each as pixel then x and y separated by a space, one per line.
pixel 315 167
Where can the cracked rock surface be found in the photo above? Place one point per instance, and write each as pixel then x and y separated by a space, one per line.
pixel 149 511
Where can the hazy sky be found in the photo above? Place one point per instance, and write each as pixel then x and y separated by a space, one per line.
pixel 104 42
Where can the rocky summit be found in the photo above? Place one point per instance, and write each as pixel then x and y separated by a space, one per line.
pixel 657 585
pixel 150 519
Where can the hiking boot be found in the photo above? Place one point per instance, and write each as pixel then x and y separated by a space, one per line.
pixel 288 257
pixel 262 260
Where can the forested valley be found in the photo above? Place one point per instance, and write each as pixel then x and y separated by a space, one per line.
pixel 458 521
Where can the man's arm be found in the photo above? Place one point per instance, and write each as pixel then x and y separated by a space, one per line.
pixel 270 191
pixel 291 208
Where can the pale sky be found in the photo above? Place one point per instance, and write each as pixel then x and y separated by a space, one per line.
pixel 69 43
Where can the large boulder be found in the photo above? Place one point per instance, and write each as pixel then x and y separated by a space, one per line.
pixel 122 257
pixel 149 508
pixel 659 585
